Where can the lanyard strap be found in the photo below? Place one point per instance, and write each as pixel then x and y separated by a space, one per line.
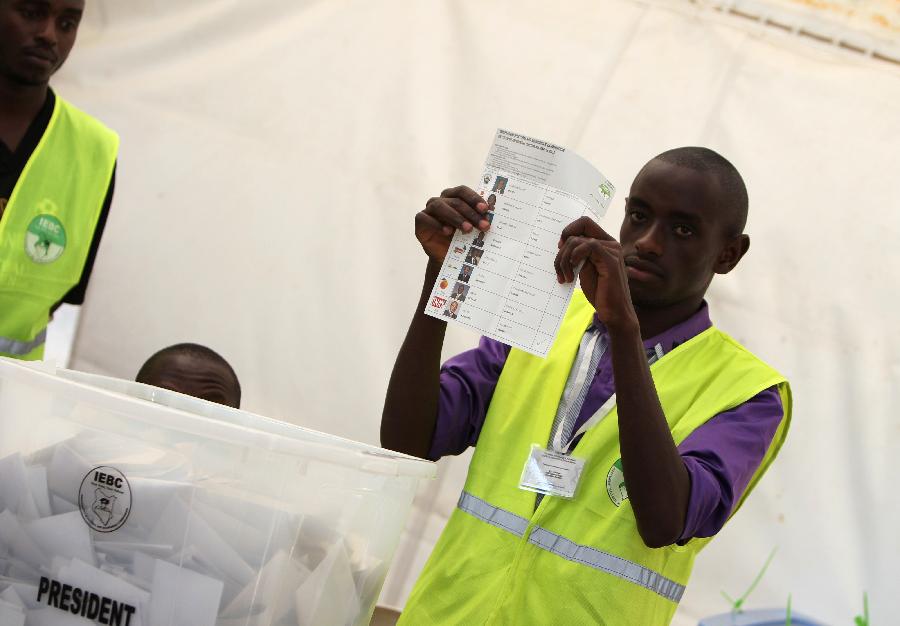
pixel 589 355
pixel 595 419
pixel 600 414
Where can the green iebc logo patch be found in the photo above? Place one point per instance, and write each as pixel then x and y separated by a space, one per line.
pixel 615 484
pixel 45 239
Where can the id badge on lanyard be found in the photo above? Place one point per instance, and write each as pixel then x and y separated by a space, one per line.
pixel 555 472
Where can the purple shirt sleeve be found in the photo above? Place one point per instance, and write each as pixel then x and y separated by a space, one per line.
pixel 467 386
pixel 721 457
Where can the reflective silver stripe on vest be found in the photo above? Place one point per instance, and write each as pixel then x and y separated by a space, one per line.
pixel 21 348
pixel 605 562
pixel 477 507
pixel 560 546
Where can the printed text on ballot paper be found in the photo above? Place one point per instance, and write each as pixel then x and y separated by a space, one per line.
pixel 501 283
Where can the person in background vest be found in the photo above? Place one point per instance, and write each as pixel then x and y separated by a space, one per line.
pixel 57 171
pixel 674 421
pixel 193 370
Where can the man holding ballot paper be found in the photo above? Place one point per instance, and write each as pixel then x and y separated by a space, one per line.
pixel 601 470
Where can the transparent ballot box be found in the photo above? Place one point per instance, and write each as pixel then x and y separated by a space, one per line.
pixel 128 505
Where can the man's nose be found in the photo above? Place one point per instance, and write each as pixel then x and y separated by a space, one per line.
pixel 651 242
pixel 47 34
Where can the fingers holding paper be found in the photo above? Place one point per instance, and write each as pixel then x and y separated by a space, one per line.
pixel 456 208
pixel 579 232
pixel 591 253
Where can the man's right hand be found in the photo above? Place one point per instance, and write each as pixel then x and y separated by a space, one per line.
pixel 411 403
pixel 457 208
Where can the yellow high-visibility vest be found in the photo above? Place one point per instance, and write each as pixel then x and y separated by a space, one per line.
pixel 577 561
pixel 49 223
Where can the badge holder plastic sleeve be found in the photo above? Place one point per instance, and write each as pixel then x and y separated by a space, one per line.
pixel 551 473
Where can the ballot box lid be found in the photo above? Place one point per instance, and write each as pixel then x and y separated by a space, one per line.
pixel 176 411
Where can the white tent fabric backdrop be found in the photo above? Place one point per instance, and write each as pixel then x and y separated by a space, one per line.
pixel 274 153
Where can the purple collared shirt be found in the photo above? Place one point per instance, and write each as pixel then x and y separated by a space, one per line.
pixel 720 456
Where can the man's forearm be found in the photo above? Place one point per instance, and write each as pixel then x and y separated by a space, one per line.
pixel 411 404
pixel 657 481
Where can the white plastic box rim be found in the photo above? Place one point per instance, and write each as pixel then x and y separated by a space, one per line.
pixel 176 411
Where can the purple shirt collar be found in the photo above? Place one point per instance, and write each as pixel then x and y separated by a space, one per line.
pixel 676 335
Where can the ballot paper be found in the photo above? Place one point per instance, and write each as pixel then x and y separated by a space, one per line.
pixel 180 597
pixel 11 615
pixel 187 556
pixel 15 494
pixel 331 579
pixel 270 599
pixel 63 535
pixel 502 283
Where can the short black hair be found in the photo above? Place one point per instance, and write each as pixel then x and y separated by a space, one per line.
pixel 734 191
pixel 150 367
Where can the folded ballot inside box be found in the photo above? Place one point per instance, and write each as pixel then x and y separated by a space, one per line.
pixel 133 506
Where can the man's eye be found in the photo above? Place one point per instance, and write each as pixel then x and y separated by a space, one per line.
pixel 637 216
pixel 68 26
pixel 32 10
pixel 684 231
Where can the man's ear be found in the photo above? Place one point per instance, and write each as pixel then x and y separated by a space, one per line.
pixel 732 253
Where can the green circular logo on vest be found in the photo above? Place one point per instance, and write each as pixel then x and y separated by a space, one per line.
pixel 45 239
pixel 615 484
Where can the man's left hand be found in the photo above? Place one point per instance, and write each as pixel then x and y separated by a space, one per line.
pixel 603 276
